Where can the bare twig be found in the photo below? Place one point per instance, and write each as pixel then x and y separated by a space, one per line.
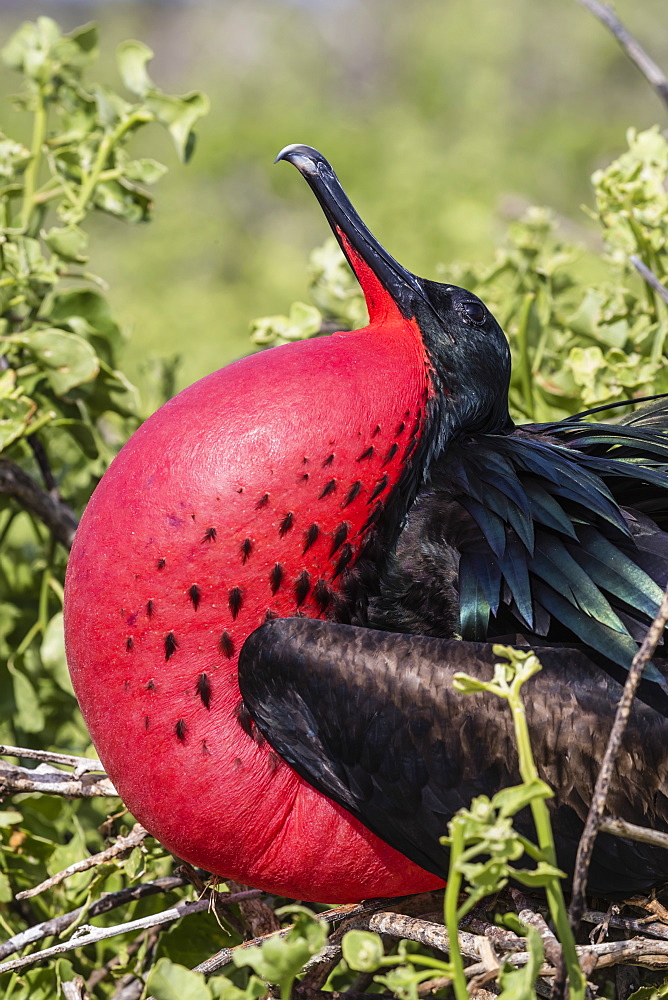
pixel 75 989
pixel 148 940
pixel 649 276
pixel 596 810
pixel 224 956
pixel 110 901
pixel 431 985
pixel 396 925
pixel 347 913
pixel 42 459
pixel 257 917
pixel 620 828
pixel 51 781
pixel 528 915
pixel 503 938
pixel 56 515
pixel 80 764
pixel 655 929
pixel 129 988
pixel 91 935
pixel 121 847
pixel 430 934
pixel 634 50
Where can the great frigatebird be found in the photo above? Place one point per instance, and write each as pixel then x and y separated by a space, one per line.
pixel 373 478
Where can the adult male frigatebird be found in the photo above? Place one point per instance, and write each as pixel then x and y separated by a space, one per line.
pixel 285 485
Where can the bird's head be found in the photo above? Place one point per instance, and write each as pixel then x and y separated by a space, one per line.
pixel 467 351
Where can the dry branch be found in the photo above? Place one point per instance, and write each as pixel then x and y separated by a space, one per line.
pixel 51 511
pixel 121 847
pixel 638 951
pixel 529 916
pixel 631 46
pixel 129 985
pixel 91 935
pixel 110 901
pixel 620 828
pixel 654 929
pixel 75 989
pixel 650 277
pixel 81 765
pixel 51 781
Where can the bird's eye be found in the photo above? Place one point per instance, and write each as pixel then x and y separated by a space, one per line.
pixel 474 312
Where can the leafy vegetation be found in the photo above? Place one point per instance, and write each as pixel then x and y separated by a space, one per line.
pixel 65 408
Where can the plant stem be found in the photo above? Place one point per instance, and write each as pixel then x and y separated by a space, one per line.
pixel 541 818
pixel 32 170
pixel 452 890
pixel 93 178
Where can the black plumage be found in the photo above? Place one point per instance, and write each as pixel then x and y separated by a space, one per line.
pixel 553 531
pixel 372 720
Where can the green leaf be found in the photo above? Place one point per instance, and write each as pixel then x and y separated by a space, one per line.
pixel 168 981
pixel 280 959
pixel 403 981
pixel 362 950
pixel 538 877
pixel 6 893
pixel 519 983
pixel 650 992
pixel 67 854
pixel 28 50
pixel 123 201
pixel 70 308
pixel 145 171
pixel 69 242
pixel 67 359
pixel 15 417
pixel 303 322
pixel 85 38
pixel 132 57
pixel 179 115
pixel 223 988
pixel 53 653
pixel 509 801
pixel 81 433
pixel 111 107
pixel 134 865
pixel 29 713
pixel 9 817
pixel 466 684
pixel 14 157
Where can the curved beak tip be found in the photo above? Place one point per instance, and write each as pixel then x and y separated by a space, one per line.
pixel 303 157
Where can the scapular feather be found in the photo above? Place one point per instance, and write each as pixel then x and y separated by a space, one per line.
pixel 552 548
pixel 487 571
pixel 554 564
pixel 473 604
pixel 515 568
pixel 546 511
pixel 491 525
pixel 618 647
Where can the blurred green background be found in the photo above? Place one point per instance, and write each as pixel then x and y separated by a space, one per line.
pixel 443 118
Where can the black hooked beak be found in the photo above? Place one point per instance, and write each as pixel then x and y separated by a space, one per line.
pixel 353 236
